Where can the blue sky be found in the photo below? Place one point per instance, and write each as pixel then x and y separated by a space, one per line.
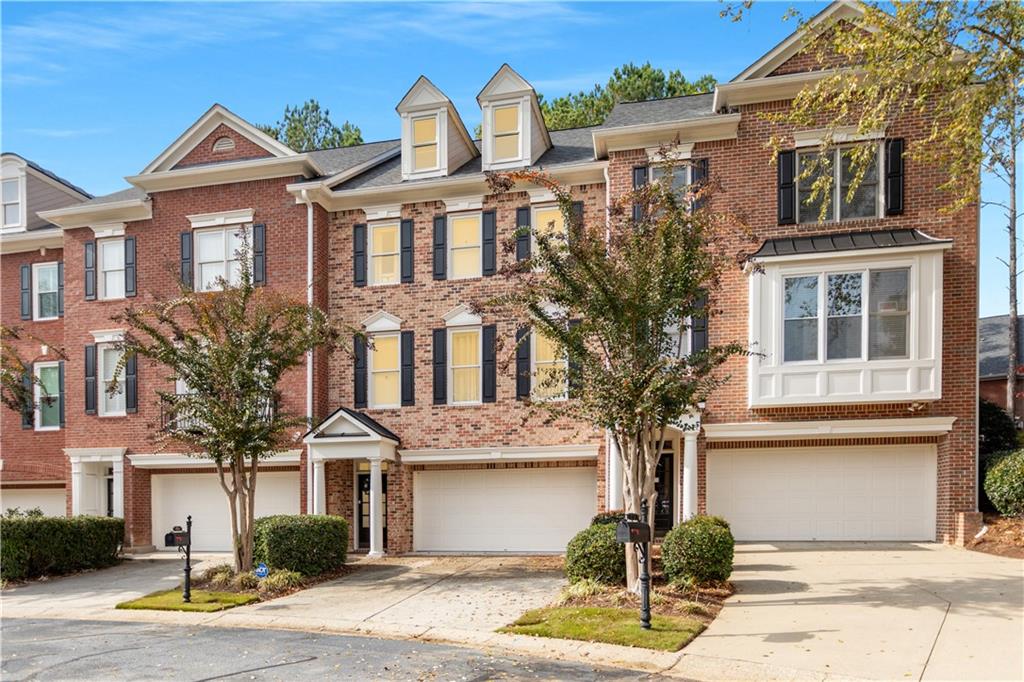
pixel 94 91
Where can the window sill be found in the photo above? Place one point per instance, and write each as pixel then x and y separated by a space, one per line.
pixel 377 285
pixel 45 319
pixel 112 298
pixel 467 404
pixel 46 429
pixel 462 279
pixel 113 415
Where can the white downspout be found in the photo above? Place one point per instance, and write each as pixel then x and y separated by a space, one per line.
pixel 613 464
pixel 310 483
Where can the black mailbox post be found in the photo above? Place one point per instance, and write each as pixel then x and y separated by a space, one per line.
pixel 637 531
pixel 182 539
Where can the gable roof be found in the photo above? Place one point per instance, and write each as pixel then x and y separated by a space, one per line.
pixel 49 174
pixel 994 346
pixel 506 82
pixel 363 420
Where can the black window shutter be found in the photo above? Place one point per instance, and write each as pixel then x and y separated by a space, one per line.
pixel 406 256
pixel 28 406
pixel 639 180
pixel 60 390
pixel 489 242
pixel 129 266
pixel 359 255
pixel 698 176
pixel 90 271
pixel 440 366
pixel 490 363
pixel 440 247
pixel 894 176
pixel 90 379
pixel 186 259
pixel 699 328
pixel 787 187
pixel 523 238
pixel 259 255
pixel 573 380
pixel 523 369
pixel 408 365
pixel 26 292
pixel 577 216
pixel 60 289
pixel 359 351
pixel 131 384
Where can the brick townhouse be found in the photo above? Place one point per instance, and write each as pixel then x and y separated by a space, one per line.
pixel 855 420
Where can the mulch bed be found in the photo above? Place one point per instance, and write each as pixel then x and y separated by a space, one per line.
pixel 1005 537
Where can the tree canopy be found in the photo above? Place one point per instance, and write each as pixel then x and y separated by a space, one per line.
pixel 308 127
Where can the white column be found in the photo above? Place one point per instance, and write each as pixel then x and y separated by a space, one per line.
pixel 689 475
pixel 319 487
pixel 376 510
pixel 614 476
pixel 118 467
pixel 76 488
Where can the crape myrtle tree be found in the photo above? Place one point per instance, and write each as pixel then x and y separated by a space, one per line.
pixel 616 299
pixel 17 380
pixel 229 349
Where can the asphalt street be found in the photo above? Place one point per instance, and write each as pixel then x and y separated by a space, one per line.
pixel 92 650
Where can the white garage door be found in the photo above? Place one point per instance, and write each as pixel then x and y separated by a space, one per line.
pixel 838 493
pixel 175 496
pixel 502 510
pixel 50 500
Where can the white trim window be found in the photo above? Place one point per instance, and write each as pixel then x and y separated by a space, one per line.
pixel 45 291
pixel 549 369
pixel 465 366
pixel 548 219
pixel 506 126
pixel 217 255
pixel 465 246
pixel 47 396
pixel 110 404
pixel 385 371
pixel 13 210
pixel 111 268
pixel 867 201
pixel 425 143
pixel 384 253
pixel 675 175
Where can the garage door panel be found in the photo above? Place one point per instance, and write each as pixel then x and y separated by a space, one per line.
pixel 51 501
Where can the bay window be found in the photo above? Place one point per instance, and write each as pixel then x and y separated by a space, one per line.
pixel 889 319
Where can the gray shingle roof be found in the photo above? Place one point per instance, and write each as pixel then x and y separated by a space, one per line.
pixel 994 345
pixel 660 110
pixel 846 241
pixel 364 419
pixel 571 146
pixel 342 158
pixel 49 173
pixel 120 195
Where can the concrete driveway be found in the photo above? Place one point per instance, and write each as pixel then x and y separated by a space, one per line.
pixel 866 610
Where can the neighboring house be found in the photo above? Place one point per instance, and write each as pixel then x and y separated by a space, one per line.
pixel 853 422
pixel 32 462
pixel 993 359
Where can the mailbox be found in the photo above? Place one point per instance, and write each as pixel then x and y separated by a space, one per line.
pixel 632 530
pixel 176 538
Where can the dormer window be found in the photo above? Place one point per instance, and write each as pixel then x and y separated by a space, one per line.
pixel 435 142
pixel 12 202
pixel 425 143
pixel 506 132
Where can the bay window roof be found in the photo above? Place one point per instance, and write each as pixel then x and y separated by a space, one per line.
pixel 845 241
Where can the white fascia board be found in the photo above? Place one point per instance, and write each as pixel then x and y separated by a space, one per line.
pixel 87 215
pixel 839 428
pixel 171 460
pixel 641 136
pixel 222 173
pixel 768 89
pixel 508 454
pixel 31 240
pixel 95 454
pixel 860 254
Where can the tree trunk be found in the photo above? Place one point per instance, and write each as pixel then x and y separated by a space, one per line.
pixel 635 453
pixel 232 494
pixel 1011 172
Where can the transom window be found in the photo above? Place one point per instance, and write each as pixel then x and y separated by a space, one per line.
pixel 46 287
pixel 464 250
pixel 424 143
pixel 384 254
pixel 550 365
pixel 506 132
pixel 217 252
pixel 47 396
pixel 385 373
pixel 464 368
pixel 11 202
pixel 111 259
pixel 111 405
pixel 823 315
pixel 866 201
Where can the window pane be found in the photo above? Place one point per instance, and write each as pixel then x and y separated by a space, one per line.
pixel 113 284
pixel 801 298
pixel 550 381
pixel 48 304
pixel 10 191
pixel 424 130
pixel 844 338
pixel 385 353
pixel 545 350
pixel 111 356
pixel 114 403
pixel 801 341
pixel 844 310
pixel 234 242
pixel 506 146
pixel 466 262
pixel 49 396
pixel 889 320
pixel 889 290
pixel 888 336
pixel 46 277
pixel 385 239
pixel 425 157
pixel 209 246
pixel 865 199
pixel 465 231
pixel 208 274
pixel 844 294
pixel 112 255
pixel 809 211
pixel 385 388
pixel 12 214
pixel 506 119
pixel 385 269
pixel 465 348
pixel 466 385
pixel 549 220
pixel 661 173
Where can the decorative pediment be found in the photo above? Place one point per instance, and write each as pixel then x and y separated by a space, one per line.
pixel 505 83
pixel 461 316
pixel 422 95
pixel 382 322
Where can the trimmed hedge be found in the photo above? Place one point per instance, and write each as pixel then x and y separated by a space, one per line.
pixel 612 517
pixel 1004 483
pixel 700 549
pixel 31 546
pixel 595 555
pixel 308 544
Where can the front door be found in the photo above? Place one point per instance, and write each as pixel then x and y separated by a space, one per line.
pixel 664 508
pixel 363 481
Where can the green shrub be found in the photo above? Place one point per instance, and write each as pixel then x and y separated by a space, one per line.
pixel 280 581
pixel 245 581
pixel 218 576
pixel 996 430
pixel 593 554
pixel 611 517
pixel 308 544
pixel 32 546
pixel 1004 483
pixel 700 550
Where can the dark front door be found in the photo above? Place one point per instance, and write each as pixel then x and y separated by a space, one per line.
pixel 665 507
pixel 363 481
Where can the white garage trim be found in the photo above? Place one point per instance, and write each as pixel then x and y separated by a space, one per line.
pixel 174 460
pixel 825 493
pixel 52 501
pixel 833 428
pixel 510 454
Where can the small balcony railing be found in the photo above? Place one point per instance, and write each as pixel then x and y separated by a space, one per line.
pixel 178 417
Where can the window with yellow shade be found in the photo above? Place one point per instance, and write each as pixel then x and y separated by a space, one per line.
pixel 464 257
pixel 549 370
pixel 549 220
pixel 384 254
pixel 506 132
pixel 424 143
pixel 464 365
pixel 385 374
